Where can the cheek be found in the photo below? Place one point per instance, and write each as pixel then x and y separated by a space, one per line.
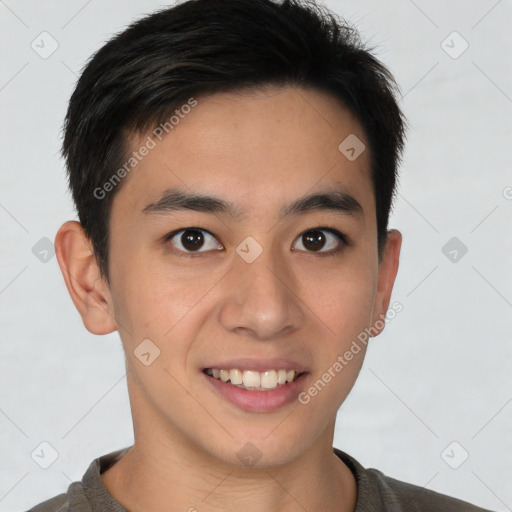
pixel 151 302
pixel 346 308
pixel 343 299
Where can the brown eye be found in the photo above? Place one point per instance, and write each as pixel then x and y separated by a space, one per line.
pixel 313 240
pixel 324 241
pixel 193 239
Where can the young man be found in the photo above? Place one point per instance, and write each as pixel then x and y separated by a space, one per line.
pixel 233 164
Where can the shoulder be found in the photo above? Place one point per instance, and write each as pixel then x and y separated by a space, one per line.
pixel 58 503
pixel 88 494
pixel 378 492
pixel 408 497
pixel 74 500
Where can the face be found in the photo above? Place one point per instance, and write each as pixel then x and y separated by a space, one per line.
pixel 254 280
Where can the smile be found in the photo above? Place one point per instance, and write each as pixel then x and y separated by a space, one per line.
pixel 250 394
pixel 253 380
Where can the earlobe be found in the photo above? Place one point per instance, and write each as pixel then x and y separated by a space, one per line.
pixel 388 269
pixel 89 292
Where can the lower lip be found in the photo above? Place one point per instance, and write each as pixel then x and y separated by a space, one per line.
pixel 259 401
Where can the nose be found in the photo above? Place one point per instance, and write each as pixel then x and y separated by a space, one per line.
pixel 261 299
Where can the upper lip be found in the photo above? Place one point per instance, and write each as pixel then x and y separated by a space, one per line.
pixel 258 365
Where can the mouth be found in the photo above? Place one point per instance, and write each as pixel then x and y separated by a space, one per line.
pixel 254 380
pixel 254 391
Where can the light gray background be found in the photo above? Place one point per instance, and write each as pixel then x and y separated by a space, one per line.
pixel 439 373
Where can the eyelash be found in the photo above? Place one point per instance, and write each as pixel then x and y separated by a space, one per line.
pixel 342 238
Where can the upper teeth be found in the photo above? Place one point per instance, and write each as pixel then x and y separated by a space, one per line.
pixel 269 379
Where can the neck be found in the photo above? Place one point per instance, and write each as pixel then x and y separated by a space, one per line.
pixel 166 471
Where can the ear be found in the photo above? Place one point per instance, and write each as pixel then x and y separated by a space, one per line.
pixel 388 268
pixel 89 292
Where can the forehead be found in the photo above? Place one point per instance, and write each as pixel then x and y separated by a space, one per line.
pixel 259 148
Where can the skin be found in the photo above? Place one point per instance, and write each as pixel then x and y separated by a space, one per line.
pixel 261 151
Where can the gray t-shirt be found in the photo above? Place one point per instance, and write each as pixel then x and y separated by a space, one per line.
pixel 376 492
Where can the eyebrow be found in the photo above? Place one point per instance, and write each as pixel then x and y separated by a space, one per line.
pixel 334 200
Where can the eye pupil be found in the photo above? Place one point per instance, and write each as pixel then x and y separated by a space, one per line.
pixel 192 239
pixel 314 240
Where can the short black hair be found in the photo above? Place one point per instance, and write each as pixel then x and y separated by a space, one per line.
pixel 201 47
